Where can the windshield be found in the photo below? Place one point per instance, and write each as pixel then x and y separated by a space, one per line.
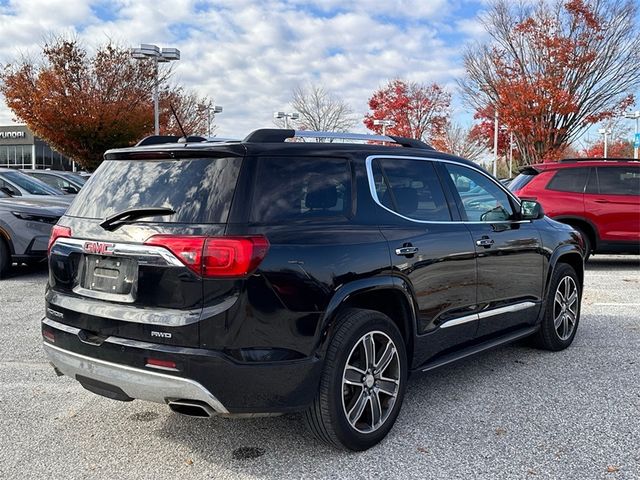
pixel 29 184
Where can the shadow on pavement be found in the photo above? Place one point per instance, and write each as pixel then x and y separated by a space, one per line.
pixel 615 262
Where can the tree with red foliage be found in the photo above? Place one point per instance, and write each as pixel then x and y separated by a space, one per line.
pixel 552 69
pixel 484 131
pixel 419 111
pixel 618 148
pixel 84 104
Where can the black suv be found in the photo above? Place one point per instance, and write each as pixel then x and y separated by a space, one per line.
pixel 270 276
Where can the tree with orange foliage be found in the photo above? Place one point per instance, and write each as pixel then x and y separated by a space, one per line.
pixel 419 111
pixel 83 105
pixel 618 148
pixel 552 69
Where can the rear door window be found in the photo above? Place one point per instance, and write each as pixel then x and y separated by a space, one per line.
pixel 410 188
pixel 619 180
pixel 569 180
pixel 199 190
pixel 298 188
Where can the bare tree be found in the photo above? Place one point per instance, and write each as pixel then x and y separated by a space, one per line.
pixel 460 141
pixel 320 110
pixel 553 68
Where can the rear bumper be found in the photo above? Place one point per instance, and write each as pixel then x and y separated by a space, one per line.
pixel 133 382
pixel 117 368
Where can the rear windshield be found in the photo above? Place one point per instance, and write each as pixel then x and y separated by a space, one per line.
pixel 520 181
pixel 199 190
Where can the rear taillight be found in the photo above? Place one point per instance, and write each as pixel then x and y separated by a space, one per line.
pixel 57 232
pixel 213 257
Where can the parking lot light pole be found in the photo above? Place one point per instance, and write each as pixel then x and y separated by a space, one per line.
pixel 605 132
pixel 634 115
pixel 286 116
pixel 165 55
pixel 211 109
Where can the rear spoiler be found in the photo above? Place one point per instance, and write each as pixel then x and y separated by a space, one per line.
pixel 160 139
pixel 529 170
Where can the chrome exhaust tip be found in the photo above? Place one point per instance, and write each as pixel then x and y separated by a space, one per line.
pixel 192 408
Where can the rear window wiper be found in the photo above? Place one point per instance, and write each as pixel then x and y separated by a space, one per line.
pixel 118 219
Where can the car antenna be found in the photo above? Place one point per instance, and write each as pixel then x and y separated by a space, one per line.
pixel 173 110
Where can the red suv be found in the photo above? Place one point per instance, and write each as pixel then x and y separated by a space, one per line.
pixel 598 197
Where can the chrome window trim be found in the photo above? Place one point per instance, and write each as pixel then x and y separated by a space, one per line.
pixel 372 189
pixel 144 254
pixel 516 307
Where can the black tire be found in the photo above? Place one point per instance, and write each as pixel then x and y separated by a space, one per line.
pixel 5 258
pixel 587 242
pixel 327 416
pixel 550 336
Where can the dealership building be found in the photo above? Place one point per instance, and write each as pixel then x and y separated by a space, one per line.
pixel 19 148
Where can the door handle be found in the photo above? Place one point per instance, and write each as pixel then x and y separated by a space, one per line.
pixel 406 250
pixel 601 201
pixel 485 242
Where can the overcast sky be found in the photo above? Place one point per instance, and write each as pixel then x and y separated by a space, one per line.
pixel 249 55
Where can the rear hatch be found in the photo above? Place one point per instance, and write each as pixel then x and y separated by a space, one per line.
pixel 126 258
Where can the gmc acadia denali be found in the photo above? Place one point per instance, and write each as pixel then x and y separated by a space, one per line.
pixel 269 276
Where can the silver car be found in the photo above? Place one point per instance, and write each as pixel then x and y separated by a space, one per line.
pixel 17 184
pixel 25 226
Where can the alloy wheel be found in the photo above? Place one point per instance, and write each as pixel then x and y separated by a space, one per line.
pixel 370 382
pixel 565 308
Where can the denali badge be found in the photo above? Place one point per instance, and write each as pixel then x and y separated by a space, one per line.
pixel 99 248
pixel 160 334
pixel 55 313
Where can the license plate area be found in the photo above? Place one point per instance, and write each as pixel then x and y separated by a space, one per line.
pixel 108 278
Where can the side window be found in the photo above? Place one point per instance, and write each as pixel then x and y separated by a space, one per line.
pixel 569 180
pixel 410 188
pixel 482 200
pixel 619 180
pixel 299 188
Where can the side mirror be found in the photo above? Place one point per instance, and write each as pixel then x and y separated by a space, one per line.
pixel 70 190
pixel 531 210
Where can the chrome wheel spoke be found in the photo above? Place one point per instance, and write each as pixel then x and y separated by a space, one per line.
pixel 376 410
pixel 385 359
pixel 388 386
pixel 559 297
pixel 572 300
pixel 353 376
pixel 358 408
pixel 369 351
pixel 557 321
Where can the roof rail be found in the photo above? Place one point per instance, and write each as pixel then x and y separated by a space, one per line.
pixel 599 159
pixel 275 135
pixel 160 139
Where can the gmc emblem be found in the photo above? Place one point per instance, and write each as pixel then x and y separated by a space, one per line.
pixel 99 248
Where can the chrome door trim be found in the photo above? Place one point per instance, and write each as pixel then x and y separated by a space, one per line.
pixel 460 320
pixel 516 307
pixel 488 313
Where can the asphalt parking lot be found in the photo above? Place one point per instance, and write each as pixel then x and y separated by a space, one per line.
pixel 513 412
